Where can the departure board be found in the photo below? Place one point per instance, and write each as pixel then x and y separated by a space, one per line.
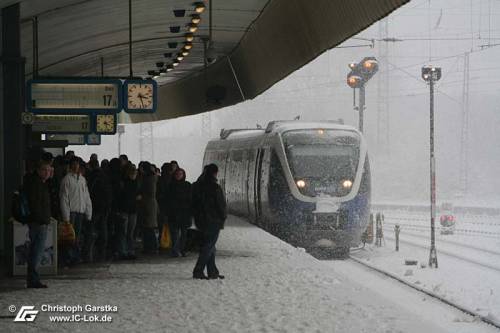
pixel 74 96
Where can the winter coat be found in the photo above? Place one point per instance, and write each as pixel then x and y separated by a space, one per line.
pixel 148 207
pixel 38 195
pixel 128 200
pixel 162 194
pixel 74 196
pixel 212 204
pixel 101 191
pixel 180 203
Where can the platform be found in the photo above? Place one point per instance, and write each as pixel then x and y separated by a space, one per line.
pixel 269 287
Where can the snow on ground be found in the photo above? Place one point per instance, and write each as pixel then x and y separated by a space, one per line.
pixel 469 264
pixel 270 287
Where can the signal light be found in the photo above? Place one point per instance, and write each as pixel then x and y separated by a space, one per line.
pixel 354 81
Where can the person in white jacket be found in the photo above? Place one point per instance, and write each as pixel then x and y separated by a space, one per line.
pixel 76 207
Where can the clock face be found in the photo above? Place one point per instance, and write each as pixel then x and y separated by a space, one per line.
pixel 105 123
pixel 140 96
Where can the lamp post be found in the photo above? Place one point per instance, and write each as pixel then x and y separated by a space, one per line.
pixel 432 74
pixel 359 75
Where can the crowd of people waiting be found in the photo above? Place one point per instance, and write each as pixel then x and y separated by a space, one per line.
pixel 113 205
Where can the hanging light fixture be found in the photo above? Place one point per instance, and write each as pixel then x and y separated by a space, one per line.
pixel 199 7
pixel 189 37
pixel 170 67
pixel 185 53
pixel 180 57
pixel 188 45
pixel 192 27
pixel 175 63
pixel 195 18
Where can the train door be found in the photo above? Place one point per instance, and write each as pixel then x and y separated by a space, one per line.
pixel 257 181
pixel 262 187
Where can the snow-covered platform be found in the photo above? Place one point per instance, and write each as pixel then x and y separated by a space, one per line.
pixel 269 287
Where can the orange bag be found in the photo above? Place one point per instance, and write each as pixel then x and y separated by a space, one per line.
pixel 166 240
pixel 66 233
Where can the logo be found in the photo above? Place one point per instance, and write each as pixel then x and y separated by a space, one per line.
pixel 26 313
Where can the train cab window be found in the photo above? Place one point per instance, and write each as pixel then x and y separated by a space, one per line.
pixel 322 161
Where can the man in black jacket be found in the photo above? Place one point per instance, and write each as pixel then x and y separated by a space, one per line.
pixel 212 210
pixel 38 195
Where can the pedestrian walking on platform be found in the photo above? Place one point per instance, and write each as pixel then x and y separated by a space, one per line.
pixel 38 195
pixel 212 215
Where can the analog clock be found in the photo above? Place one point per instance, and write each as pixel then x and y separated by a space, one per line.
pixel 105 124
pixel 140 96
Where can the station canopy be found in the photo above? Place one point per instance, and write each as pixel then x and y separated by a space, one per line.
pixel 254 43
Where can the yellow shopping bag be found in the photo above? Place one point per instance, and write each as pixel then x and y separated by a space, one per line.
pixel 66 233
pixel 166 240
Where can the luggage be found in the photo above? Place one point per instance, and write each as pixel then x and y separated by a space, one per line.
pixel 166 240
pixel 66 233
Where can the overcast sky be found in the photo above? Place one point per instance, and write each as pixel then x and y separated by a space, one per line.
pixel 437 32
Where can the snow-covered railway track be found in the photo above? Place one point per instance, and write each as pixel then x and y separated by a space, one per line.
pixel 462 231
pixel 447 241
pixel 426 219
pixel 428 293
pixel 450 254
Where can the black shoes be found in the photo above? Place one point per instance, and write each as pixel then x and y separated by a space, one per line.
pixel 199 276
pixel 37 285
pixel 215 277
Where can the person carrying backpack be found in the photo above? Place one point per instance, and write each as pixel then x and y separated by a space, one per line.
pixel 212 215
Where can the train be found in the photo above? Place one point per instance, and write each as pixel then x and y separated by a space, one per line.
pixel 308 183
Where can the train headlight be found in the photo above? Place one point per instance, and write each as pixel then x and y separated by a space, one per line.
pixel 300 183
pixel 347 183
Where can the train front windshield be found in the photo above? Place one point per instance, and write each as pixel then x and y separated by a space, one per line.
pixel 322 161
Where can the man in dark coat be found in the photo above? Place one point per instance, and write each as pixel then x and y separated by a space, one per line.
pixel 179 218
pixel 38 195
pixel 101 194
pixel 213 214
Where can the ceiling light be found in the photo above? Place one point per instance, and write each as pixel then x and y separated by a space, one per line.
pixel 199 7
pixel 192 27
pixel 175 63
pixel 180 57
pixel 156 77
pixel 188 45
pixel 179 12
pixel 175 29
pixel 172 45
pixel 189 37
pixel 195 18
pixel 185 53
pixel 170 67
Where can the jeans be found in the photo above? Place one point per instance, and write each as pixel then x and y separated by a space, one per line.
pixel 179 238
pixel 38 236
pixel 89 238
pixel 127 234
pixel 207 252
pixel 71 254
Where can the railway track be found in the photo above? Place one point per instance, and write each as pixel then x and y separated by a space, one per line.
pixel 447 241
pixel 461 231
pixel 428 293
pixel 450 254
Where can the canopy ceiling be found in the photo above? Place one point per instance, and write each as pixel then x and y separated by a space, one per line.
pixel 257 43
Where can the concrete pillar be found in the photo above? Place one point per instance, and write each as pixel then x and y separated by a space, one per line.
pixel 12 132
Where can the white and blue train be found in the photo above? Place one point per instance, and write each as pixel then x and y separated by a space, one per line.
pixel 307 183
